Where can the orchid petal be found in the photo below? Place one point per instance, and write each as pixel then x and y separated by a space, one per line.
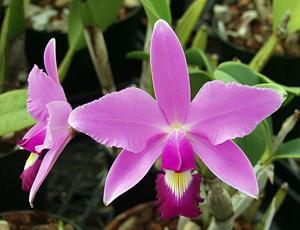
pixel 221 112
pixel 178 153
pixel 47 163
pixel 30 170
pixel 128 169
pixel 58 134
pixel 50 60
pixel 126 119
pixel 169 73
pixel 229 163
pixel 42 89
pixel 35 136
pixel 58 126
pixel 186 203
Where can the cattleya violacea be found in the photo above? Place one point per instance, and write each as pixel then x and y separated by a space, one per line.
pixel 176 129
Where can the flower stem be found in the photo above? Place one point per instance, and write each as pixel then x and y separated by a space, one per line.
pixel 220 205
pixel 182 221
pixel 145 82
pixel 264 54
pixel 277 201
pixel 285 129
pixel 65 64
pixel 242 201
pixel 98 51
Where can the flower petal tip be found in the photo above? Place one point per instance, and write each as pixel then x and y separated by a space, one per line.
pixel 161 23
pixel 106 202
pixel 51 44
pixel 254 193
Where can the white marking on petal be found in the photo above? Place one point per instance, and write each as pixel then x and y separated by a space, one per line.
pixel 31 160
pixel 178 183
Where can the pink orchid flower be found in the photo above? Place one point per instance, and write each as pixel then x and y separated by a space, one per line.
pixel 46 103
pixel 176 129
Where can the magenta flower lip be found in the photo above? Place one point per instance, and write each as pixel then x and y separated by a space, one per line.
pixel 46 103
pixel 177 129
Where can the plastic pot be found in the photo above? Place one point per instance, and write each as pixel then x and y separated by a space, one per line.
pixel 142 216
pixel 36 220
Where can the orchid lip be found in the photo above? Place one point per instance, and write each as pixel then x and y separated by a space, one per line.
pixel 178 183
pixel 31 160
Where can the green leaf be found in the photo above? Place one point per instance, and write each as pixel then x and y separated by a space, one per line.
pixel 138 54
pixel 288 99
pixel 13 113
pixel 280 90
pixel 200 39
pixel 198 58
pixel 75 38
pixel 198 78
pixel 281 8
pixel 13 25
pixel 188 21
pixel 75 27
pixel 262 139
pixel 290 89
pixel 236 72
pixel 241 73
pixel 290 149
pixel 157 9
pixel 100 13
pixel 262 57
pixel 277 201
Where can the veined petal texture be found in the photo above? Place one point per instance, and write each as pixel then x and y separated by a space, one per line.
pixel 222 112
pixel 169 73
pixel 229 163
pixel 128 119
pixel 128 169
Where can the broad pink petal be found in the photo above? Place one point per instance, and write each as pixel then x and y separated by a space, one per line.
pixel 42 89
pixel 171 205
pixel 126 119
pixel 58 126
pixel 128 169
pixel 221 112
pixel 50 60
pixel 47 163
pixel 30 171
pixel 178 153
pixel 169 73
pixel 35 136
pixel 229 163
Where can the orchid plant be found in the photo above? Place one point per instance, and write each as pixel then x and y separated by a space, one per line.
pixel 183 132
pixel 176 129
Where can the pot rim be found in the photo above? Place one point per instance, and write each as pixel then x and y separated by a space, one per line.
pixel 127 213
pixel 56 216
pixel 216 34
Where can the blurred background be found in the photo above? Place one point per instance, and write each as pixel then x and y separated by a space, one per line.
pixel 229 30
